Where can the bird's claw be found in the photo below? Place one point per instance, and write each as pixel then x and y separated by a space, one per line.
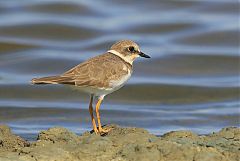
pixel 104 131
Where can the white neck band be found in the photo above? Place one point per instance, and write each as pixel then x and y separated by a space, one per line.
pixel 120 55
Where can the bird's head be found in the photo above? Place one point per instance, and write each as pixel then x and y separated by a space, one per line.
pixel 127 50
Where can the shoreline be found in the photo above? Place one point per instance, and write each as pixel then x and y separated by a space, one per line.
pixel 125 144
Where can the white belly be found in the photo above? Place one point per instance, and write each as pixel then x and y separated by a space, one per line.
pixel 92 90
pixel 113 86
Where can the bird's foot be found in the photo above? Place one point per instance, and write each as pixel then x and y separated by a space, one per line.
pixel 96 131
pixel 104 131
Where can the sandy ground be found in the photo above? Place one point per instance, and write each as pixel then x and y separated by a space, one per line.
pixel 121 144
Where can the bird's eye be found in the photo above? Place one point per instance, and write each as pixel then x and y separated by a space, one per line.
pixel 131 49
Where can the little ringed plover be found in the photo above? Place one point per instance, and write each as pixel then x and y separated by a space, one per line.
pixel 100 75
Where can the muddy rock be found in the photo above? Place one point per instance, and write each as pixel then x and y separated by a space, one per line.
pixel 122 144
pixel 9 141
pixel 58 134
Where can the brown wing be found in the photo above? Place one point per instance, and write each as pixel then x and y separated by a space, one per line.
pixel 53 80
pixel 97 71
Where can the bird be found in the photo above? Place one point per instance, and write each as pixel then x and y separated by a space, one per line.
pixel 100 76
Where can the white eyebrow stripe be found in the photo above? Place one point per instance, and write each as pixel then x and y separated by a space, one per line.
pixel 120 55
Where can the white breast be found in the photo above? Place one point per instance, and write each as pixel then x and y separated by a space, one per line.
pixel 116 84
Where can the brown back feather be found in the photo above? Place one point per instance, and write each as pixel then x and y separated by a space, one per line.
pixel 98 71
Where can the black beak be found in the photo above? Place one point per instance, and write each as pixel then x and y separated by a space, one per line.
pixel 144 55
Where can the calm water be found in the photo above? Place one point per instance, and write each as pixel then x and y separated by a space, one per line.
pixel 191 82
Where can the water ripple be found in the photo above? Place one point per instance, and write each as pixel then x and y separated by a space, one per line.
pixel 192 80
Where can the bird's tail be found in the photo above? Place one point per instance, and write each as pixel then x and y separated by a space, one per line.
pixel 53 80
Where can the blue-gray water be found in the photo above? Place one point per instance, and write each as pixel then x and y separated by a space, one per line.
pixel 191 82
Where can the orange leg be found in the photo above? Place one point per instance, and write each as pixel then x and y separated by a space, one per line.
pixel 92 117
pixel 100 129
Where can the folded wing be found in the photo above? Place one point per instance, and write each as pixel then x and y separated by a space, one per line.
pixel 96 72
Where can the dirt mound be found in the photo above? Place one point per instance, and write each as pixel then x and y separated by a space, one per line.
pixel 127 144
